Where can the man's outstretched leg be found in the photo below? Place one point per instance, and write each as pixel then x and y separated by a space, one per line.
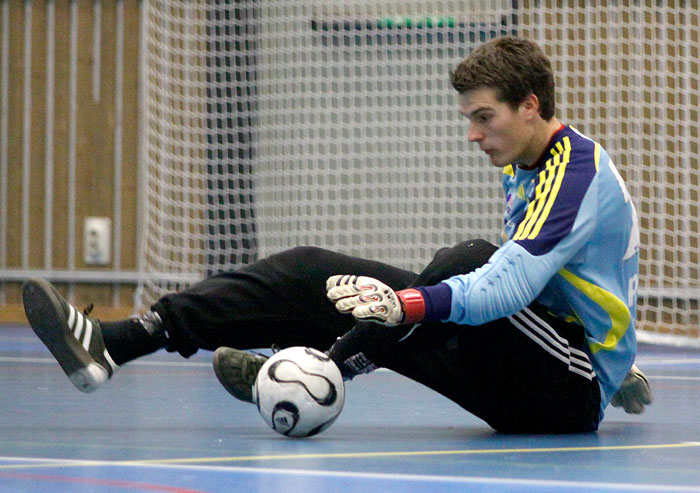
pixel 280 300
pixel 277 300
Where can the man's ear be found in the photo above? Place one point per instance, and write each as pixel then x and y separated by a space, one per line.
pixel 530 106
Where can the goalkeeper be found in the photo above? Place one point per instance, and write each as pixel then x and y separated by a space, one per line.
pixel 536 335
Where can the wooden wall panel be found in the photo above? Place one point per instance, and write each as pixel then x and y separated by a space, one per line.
pixel 15 98
pixel 130 124
pixel 37 136
pixel 61 135
pixel 96 135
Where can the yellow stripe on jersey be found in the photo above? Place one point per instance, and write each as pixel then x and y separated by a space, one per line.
pixel 535 207
pixel 508 170
pixel 612 305
pixel 545 193
pixel 566 154
pixel 596 154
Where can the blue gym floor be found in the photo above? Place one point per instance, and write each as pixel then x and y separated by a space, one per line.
pixel 165 424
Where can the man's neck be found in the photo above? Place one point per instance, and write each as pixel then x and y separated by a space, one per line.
pixel 541 141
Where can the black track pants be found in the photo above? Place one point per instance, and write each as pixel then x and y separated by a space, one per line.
pixel 524 373
pixel 278 300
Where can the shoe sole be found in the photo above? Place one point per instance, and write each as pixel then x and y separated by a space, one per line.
pixel 44 312
pixel 217 363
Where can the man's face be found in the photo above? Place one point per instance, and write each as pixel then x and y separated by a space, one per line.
pixel 501 132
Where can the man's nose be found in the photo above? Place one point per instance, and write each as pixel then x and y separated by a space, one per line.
pixel 474 134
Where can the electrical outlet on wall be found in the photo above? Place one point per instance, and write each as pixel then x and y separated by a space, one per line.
pixel 97 238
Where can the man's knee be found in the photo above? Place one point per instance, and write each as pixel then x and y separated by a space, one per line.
pixel 298 262
pixel 301 253
pixel 478 250
pixel 462 258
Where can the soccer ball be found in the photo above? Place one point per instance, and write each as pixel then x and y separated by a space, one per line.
pixel 299 392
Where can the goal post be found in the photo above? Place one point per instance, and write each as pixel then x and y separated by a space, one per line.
pixel 277 123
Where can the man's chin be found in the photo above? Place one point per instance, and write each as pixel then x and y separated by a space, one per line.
pixel 498 163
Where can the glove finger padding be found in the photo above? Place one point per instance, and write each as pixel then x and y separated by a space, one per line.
pixel 378 308
pixel 349 303
pixel 367 298
pixel 342 286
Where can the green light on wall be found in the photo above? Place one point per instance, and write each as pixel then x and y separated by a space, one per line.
pixel 410 22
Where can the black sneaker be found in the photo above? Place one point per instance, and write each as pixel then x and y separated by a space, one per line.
pixel 74 339
pixel 237 370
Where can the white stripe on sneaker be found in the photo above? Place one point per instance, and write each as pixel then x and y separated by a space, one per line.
pixel 71 316
pixel 75 322
pixel 88 334
pixel 110 361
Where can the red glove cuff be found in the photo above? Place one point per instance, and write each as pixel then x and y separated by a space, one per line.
pixel 413 305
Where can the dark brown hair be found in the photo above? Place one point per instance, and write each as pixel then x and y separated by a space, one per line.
pixel 514 67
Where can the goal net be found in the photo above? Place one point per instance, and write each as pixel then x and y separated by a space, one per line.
pixel 276 123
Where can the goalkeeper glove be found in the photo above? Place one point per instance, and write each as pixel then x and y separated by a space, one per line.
pixel 634 393
pixel 372 300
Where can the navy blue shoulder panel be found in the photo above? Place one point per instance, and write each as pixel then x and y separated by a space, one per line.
pixel 566 171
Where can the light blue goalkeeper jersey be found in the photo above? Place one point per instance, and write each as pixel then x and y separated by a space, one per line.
pixel 570 241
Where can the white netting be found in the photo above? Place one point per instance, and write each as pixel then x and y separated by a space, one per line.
pixel 271 124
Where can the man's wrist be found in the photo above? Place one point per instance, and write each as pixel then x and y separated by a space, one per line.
pixel 413 305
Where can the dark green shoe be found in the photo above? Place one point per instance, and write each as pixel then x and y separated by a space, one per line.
pixel 237 371
pixel 74 339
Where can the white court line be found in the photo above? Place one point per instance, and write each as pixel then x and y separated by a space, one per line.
pixel 671 377
pixel 19 338
pixel 431 478
pixel 667 362
pixel 423 478
pixel 43 360
pixel 38 459
pixel 199 364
